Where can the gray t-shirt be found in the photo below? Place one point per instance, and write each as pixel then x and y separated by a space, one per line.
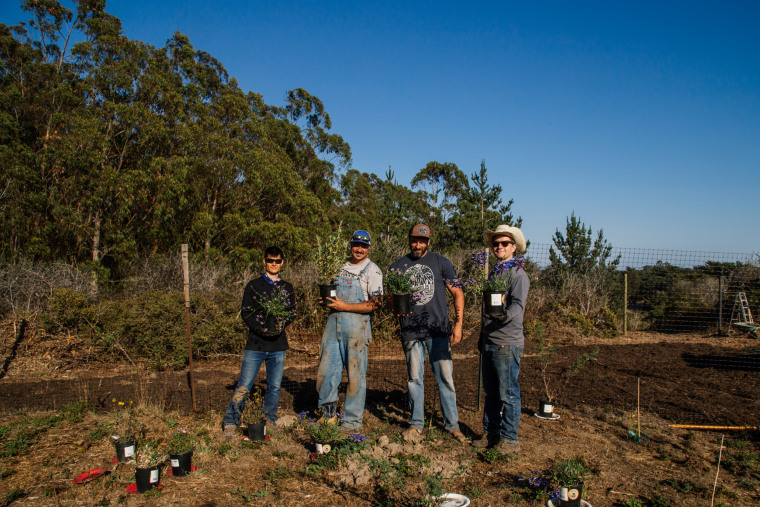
pixel 371 281
pixel 430 316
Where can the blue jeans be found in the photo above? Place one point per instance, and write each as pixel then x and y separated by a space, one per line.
pixel 252 360
pixel 439 350
pixel 344 344
pixel 501 365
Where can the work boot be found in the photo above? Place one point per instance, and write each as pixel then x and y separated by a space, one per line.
pixel 507 447
pixel 459 436
pixel 482 442
pixel 328 420
pixel 230 430
pixel 412 435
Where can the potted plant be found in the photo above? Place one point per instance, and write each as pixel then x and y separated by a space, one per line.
pixel 496 287
pixel 329 256
pixel 148 460
pixel 401 285
pixel 323 435
pixel 125 431
pixel 275 311
pixel 181 448
pixel 253 416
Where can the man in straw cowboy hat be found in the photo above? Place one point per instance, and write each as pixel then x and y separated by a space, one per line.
pixel 502 341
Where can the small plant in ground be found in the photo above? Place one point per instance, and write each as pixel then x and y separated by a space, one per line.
pixel 566 472
pixel 14 495
pixel 171 422
pixel 152 493
pixel 474 492
pixel 491 455
pixel 633 502
pixel 583 360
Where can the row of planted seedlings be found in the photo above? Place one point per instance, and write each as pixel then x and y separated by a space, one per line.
pixel 148 455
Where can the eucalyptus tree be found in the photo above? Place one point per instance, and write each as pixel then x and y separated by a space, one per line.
pixel 443 185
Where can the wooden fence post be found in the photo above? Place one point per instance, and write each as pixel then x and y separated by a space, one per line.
pixel 186 273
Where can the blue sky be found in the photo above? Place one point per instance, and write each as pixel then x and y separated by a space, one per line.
pixel 641 117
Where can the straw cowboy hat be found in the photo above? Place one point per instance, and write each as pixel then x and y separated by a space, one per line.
pixel 506 230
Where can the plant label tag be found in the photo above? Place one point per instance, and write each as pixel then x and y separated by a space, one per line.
pixel 549 409
pixel 129 451
pixel 495 299
pixel 318 448
pixel 334 293
pixel 265 430
pixel 175 463
pixel 154 476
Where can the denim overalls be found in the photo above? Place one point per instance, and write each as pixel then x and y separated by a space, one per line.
pixel 344 345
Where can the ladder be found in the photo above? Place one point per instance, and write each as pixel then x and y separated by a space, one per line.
pixel 741 313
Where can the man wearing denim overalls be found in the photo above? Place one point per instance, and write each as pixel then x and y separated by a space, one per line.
pixel 347 335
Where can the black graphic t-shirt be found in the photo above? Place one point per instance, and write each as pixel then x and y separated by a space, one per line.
pixel 430 317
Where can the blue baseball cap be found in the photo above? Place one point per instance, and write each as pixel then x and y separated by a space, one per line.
pixel 361 237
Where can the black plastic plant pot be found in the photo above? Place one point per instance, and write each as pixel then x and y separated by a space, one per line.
pixel 125 450
pixel 545 408
pixel 329 290
pixel 402 304
pixel 273 326
pixel 147 478
pixel 257 432
pixel 181 463
pixel 494 303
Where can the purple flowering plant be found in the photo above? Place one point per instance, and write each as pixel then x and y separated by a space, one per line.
pixel 498 278
pixel 278 306
pixel 398 281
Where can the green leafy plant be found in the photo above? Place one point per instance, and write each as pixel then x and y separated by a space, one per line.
pixel 323 432
pixel 330 254
pixel 181 442
pixel 253 412
pixel 399 282
pixel 149 454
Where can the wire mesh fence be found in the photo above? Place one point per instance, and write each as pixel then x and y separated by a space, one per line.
pixel 682 320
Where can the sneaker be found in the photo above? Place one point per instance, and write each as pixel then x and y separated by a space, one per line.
pixel 230 430
pixel 507 447
pixel 411 434
pixel 459 436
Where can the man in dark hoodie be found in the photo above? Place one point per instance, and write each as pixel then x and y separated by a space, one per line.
pixel 267 341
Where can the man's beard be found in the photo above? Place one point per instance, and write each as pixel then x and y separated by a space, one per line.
pixel 419 253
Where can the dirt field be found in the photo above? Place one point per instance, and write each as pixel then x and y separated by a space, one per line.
pixel 682 379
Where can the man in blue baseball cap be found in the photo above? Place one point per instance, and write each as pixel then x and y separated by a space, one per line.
pixel 347 335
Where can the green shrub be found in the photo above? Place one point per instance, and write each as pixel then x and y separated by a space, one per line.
pixel 67 310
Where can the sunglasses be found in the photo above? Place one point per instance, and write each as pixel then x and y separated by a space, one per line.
pixel 273 261
pixel 505 244
pixel 358 238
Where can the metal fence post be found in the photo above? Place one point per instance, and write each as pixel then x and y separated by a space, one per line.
pixel 720 305
pixel 625 304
